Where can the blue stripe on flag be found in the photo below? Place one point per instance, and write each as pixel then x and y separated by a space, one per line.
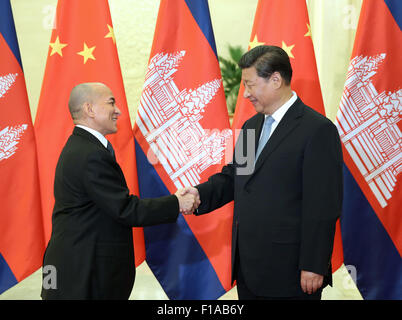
pixel 7 278
pixel 395 6
pixel 368 247
pixel 172 252
pixel 200 11
pixel 7 28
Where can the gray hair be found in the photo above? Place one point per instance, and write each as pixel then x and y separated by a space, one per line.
pixel 80 94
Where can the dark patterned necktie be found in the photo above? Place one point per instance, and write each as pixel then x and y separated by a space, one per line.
pixel 111 150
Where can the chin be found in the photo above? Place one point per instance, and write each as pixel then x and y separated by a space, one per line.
pixel 111 131
pixel 258 108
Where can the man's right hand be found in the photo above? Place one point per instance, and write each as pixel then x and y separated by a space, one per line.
pixel 189 192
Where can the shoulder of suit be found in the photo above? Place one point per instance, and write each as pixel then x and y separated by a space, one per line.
pixel 317 123
pixel 251 121
pixel 84 141
pixel 87 138
pixel 81 148
pixel 315 115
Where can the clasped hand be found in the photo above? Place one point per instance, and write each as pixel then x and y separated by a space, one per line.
pixel 189 199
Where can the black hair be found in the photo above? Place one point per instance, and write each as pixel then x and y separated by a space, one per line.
pixel 267 60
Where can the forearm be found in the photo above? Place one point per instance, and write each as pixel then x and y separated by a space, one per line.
pixel 216 192
pixel 154 211
pixel 107 189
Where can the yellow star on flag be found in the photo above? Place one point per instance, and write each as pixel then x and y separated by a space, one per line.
pixel 87 53
pixel 255 43
pixel 111 34
pixel 57 47
pixel 288 49
pixel 308 33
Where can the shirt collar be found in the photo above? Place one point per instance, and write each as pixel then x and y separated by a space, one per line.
pixel 278 114
pixel 97 134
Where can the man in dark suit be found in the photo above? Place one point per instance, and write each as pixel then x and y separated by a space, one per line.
pixel 91 246
pixel 287 191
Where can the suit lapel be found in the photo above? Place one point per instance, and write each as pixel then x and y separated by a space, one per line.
pixel 290 120
pixel 258 128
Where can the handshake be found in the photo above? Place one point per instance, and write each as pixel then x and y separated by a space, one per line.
pixel 189 199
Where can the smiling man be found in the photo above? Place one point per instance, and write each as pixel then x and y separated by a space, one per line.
pixel 92 105
pixel 91 246
pixel 285 209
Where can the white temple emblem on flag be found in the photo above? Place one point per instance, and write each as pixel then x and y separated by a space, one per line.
pixel 9 138
pixel 6 82
pixel 169 120
pixel 368 126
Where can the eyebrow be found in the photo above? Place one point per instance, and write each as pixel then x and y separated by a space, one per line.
pixel 248 81
pixel 111 99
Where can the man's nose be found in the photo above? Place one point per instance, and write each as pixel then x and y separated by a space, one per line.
pixel 246 94
pixel 117 110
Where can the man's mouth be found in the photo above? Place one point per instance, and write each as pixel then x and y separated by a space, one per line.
pixel 253 101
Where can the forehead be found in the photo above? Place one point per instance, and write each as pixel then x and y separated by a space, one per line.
pixel 104 92
pixel 249 74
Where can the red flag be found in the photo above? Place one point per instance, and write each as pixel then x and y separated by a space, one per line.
pixel 182 127
pixel 82 49
pixel 21 233
pixel 275 24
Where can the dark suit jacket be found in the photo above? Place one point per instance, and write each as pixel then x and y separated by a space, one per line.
pixel 91 245
pixel 285 211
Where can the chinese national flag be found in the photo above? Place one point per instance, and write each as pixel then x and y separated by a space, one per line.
pixel 21 233
pixel 82 49
pixel 275 24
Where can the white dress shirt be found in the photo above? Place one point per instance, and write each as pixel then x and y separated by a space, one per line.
pixel 278 114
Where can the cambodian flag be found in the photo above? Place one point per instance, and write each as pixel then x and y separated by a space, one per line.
pixel 370 126
pixel 181 132
pixel 21 231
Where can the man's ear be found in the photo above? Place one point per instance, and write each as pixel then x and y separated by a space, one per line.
pixel 277 79
pixel 88 109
